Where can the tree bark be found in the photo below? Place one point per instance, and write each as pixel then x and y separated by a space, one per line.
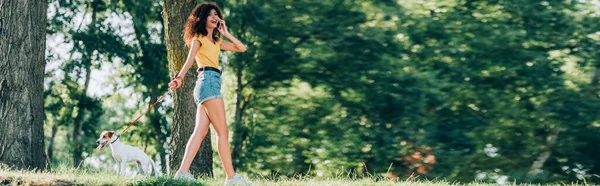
pixel 22 64
pixel 175 13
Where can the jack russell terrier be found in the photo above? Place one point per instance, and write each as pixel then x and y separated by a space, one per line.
pixel 124 153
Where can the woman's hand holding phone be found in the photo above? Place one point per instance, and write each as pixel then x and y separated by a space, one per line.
pixel 222 27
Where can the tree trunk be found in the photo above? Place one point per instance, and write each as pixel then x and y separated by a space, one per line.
pixel 22 64
pixel 156 124
pixel 537 165
pixel 78 122
pixel 50 153
pixel 594 82
pixel 240 132
pixel 175 13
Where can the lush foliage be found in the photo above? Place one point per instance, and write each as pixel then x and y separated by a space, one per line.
pixel 454 89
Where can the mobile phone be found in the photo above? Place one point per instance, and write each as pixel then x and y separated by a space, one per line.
pixel 218 24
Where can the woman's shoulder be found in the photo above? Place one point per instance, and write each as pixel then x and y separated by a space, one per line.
pixel 198 37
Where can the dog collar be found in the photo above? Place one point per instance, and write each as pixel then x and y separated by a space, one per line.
pixel 115 140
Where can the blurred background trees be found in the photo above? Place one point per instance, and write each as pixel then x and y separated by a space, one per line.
pixel 455 89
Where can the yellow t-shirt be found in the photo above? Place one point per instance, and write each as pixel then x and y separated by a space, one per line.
pixel 208 53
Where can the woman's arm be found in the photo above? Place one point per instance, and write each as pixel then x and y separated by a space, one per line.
pixel 235 45
pixel 176 83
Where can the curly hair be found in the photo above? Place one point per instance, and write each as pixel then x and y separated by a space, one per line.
pixel 196 22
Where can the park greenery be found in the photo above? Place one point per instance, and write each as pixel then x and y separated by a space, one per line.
pixel 490 91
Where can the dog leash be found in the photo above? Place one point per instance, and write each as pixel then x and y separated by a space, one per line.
pixel 136 119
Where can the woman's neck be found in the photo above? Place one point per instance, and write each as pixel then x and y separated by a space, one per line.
pixel 209 33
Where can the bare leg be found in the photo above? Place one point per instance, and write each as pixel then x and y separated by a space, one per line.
pixel 200 130
pixel 216 113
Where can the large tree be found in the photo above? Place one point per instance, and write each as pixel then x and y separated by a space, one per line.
pixel 175 14
pixel 22 46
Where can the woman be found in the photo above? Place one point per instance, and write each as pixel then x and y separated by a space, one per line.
pixel 202 35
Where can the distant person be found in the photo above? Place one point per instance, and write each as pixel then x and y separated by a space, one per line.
pixel 202 34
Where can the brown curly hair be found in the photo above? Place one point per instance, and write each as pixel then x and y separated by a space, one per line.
pixel 196 22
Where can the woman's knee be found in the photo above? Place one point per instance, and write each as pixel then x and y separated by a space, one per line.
pixel 200 132
pixel 222 133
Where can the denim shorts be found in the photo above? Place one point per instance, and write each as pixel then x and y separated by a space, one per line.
pixel 207 87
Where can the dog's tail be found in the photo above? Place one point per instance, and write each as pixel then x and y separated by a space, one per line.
pixel 157 172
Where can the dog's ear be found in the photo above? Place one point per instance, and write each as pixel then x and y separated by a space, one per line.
pixel 110 134
pixel 103 134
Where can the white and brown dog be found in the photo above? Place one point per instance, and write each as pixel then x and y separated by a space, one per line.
pixel 124 153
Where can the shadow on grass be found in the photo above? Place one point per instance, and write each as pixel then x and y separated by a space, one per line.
pixel 60 182
pixel 85 176
pixel 164 181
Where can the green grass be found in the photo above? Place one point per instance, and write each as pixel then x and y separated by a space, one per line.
pixel 71 176
pixel 104 178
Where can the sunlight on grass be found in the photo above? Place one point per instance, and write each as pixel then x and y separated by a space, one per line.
pixel 86 176
pixel 66 175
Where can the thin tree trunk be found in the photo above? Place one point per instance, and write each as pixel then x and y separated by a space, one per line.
pixel 78 123
pixel 237 123
pixel 595 77
pixel 537 165
pixel 77 149
pixel 51 145
pixel 551 139
pixel 594 82
pixel 299 165
pixel 156 124
pixel 240 132
pixel 175 13
pixel 146 143
pixel 22 64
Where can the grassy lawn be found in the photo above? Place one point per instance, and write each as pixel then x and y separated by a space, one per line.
pixel 95 177
pixel 87 177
